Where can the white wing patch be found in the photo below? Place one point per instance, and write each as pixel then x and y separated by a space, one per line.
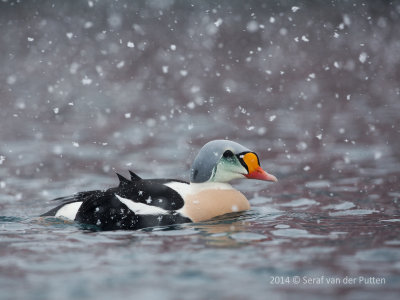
pixel 141 208
pixel 69 210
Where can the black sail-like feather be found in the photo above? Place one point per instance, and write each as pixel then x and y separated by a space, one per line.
pixel 122 180
pixel 134 177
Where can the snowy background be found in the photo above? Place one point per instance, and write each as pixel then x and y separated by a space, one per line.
pixel 93 87
pixel 100 85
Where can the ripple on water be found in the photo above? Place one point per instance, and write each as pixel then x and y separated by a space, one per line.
pixel 295 233
pixel 260 200
pixel 282 226
pixel 394 194
pixel 318 184
pixel 393 243
pixel 344 189
pixel 248 236
pixel 180 232
pixel 268 210
pixel 300 202
pixel 379 255
pixel 353 212
pixel 391 220
pixel 316 250
pixel 341 206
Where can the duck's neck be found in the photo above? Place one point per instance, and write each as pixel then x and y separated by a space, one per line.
pixel 210 185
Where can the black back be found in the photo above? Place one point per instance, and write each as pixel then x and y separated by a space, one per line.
pixel 104 210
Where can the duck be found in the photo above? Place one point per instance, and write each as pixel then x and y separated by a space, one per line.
pixel 138 203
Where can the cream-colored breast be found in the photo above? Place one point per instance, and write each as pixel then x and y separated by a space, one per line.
pixel 209 200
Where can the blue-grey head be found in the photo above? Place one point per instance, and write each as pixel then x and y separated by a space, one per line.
pixel 223 160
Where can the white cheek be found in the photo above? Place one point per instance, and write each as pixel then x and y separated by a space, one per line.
pixel 226 172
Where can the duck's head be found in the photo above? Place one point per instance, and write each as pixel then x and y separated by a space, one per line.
pixel 223 160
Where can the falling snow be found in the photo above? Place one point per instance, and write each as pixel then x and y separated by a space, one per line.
pixel 363 57
pixel 86 81
pixel 11 79
pixel 304 39
pixel 218 22
pixel 252 26
pixel 90 88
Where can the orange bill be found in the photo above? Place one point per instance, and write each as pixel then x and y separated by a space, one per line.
pixel 255 171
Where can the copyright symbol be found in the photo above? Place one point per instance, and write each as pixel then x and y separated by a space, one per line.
pixel 296 279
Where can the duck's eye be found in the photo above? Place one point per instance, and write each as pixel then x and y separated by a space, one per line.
pixel 228 153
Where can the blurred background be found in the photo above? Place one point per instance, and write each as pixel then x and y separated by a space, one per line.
pixel 93 86
pixel 88 88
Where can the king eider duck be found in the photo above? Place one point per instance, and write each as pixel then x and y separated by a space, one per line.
pixel 139 203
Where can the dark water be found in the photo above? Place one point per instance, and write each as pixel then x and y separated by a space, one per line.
pixel 90 88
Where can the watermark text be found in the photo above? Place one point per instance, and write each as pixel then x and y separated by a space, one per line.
pixel 327 280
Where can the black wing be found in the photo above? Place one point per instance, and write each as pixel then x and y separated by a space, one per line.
pixel 107 212
pixel 149 191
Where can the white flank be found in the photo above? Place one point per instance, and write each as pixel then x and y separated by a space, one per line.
pixel 141 208
pixel 69 210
